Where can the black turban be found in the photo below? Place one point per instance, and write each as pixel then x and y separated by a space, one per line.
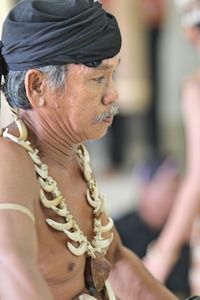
pixel 38 33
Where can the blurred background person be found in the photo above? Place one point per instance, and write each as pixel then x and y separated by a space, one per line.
pixel 183 222
pixel 132 79
pixel 153 13
pixel 137 81
pixel 140 227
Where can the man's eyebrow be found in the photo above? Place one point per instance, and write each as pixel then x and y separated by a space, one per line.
pixel 106 66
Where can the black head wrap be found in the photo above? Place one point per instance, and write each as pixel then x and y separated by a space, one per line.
pixel 38 33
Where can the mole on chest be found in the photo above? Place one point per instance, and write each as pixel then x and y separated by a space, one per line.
pixel 71 266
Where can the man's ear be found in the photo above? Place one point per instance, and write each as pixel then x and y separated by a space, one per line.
pixel 34 85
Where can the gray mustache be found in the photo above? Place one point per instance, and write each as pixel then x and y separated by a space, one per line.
pixel 114 110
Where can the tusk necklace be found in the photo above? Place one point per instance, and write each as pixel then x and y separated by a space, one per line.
pixel 97 267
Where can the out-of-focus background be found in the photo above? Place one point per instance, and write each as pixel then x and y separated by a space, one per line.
pixel 156 60
pixel 148 132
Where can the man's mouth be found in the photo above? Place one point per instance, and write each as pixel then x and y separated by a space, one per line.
pixel 107 116
pixel 108 119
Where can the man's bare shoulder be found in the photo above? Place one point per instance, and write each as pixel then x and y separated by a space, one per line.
pixel 17 175
pixel 6 145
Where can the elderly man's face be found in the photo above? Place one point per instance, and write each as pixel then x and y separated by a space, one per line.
pixel 85 106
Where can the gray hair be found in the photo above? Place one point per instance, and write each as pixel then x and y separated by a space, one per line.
pixel 14 85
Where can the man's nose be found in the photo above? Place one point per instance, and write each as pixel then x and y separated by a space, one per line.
pixel 111 95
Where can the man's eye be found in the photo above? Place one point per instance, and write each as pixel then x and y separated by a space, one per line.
pixel 99 79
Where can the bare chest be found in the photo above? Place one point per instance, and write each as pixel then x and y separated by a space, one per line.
pixel 62 268
pixel 63 271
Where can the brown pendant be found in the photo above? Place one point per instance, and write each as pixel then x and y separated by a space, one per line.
pixel 96 273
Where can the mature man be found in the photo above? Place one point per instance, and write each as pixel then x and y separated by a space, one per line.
pixel 58 58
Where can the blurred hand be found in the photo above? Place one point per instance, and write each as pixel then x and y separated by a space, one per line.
pixel 159 270
pixel 159 263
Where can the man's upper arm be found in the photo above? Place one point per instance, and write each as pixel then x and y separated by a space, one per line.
pixel 115 251
pixel 20 276
pixel 17 186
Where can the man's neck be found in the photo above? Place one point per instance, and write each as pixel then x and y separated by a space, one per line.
pixel 54 145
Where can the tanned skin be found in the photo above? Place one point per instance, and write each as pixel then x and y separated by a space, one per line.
pixel 34 260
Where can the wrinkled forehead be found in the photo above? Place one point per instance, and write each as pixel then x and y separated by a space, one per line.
pixel 107 64
pixel 110 63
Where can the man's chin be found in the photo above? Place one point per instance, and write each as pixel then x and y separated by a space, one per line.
pixel 99 135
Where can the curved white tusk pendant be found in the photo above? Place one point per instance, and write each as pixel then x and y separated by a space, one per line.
pixel 92 202
pixel 87 173
pixel 95 193
pixel 92 184
pixel 24 144
pixel 20 124
pixel 56 193
pixel 48 185
pixel 101 207
pixel 100 228
pixel 85 154
pixel 76 236
pixel 79 250
pixel 22 130
pixel 49 203
pixel 10 136
pixel 60 226
pixel 79 152
pixel 62 212
pixel 98 209
pixel 103 244
pixel 35 158
pixel 42 171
